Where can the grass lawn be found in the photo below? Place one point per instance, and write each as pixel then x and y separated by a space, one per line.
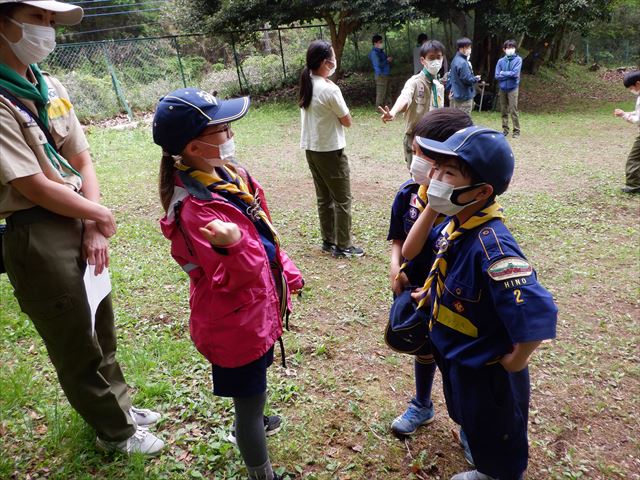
pixel 343 386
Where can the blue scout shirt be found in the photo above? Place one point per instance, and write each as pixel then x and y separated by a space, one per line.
pixel 462 79
pixel 404 211
pixel 492 297
pixel 379 61
pixel 508 72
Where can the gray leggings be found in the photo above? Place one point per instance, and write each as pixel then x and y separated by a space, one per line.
pixel 251 437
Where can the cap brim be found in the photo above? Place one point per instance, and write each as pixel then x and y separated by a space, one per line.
pixel 230 110
pixel 433 148
pixel 66 14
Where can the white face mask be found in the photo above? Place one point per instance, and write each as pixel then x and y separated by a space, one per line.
pixel 419 170
pixel 433 66
pixel 467 52
pixel 36 43
pixel 510 51
pixel 333 69
pixel 443 197
pixel 227 152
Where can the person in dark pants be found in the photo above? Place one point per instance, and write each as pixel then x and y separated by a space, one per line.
pixel 632 169
pixel 324 114
pixel 49 196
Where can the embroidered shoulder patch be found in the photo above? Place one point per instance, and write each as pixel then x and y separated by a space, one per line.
pixel 509 267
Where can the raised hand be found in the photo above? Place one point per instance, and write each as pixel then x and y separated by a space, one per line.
pixel 386 116
pixel 220 234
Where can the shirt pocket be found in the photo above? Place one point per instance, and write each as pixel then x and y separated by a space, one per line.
pixel 34 136
pixel 60 127
pixel 421 96
pixel 461 291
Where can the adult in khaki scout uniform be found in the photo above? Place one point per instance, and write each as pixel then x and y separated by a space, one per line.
pixel 421 93
pixel 323 116
pixel 632 169
pixel 49 196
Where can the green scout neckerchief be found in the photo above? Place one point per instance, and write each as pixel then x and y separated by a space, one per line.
pixel 39 94
pixel 451 232
pixel 509 58
pixel 434 89
pixel 212 181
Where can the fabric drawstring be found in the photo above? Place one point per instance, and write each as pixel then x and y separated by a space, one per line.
pixel 284 358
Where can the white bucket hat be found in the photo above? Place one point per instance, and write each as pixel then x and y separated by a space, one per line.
pixel 66 14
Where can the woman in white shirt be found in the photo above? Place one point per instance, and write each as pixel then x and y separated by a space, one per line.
pixel 323 115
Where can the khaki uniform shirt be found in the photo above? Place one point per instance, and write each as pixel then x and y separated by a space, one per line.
pixel 417 91
pixel 22 143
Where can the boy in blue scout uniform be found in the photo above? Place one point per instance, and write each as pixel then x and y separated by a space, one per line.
pixel 409 201
pixel 488 313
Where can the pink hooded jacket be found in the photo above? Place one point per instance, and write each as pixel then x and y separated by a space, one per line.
pixel 235 308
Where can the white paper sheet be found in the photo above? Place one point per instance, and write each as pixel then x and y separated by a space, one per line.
pixel 97 287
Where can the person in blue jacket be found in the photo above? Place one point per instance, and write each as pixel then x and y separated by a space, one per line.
pixel 508 76
pixel 463 81
pixel 488 312
pixel 381 68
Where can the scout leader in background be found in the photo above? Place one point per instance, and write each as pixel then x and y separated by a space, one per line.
pixel 49 196
pixel 421 93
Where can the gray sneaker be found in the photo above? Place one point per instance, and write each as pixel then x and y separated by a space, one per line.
pixel 143 416
pixel 472 475
pixel 142 441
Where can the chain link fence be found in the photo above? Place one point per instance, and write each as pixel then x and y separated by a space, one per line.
pixel 108 78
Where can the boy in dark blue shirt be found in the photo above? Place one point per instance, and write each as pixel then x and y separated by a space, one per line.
pixel 508 76
pixel 410 200
pixel 488 313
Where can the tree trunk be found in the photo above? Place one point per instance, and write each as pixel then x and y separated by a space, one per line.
pixel 538 53
pixel 339 35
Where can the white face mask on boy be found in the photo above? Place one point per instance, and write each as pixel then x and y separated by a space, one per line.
pixel 36 44
pixel 443 197
pixel 433 66
pixel 510 51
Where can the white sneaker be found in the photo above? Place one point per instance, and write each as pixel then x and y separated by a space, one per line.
pixel 142 441
pixel 143 416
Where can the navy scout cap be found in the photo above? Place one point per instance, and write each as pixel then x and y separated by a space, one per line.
pixel 183 114
pixel 486 151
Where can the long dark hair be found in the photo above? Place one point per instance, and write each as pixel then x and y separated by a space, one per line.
pixel 318 51
pixel 166 181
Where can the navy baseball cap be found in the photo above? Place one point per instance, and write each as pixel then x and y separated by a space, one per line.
pixel 486 151
pixel 183 114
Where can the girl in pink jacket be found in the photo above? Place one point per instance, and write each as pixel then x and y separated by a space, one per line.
pixel 222 236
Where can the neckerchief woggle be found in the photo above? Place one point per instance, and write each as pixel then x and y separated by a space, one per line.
pixel 236 186
pixel 38 94
pixel 451 232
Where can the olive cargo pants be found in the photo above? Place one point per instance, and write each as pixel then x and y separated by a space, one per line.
pixel 330 171
pixel 45 267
